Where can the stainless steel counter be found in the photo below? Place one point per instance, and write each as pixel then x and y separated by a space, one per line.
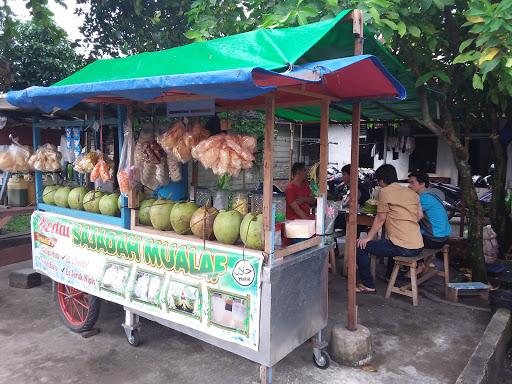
pixel 293 307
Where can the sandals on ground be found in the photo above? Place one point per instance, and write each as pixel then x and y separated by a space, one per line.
pixel 361 288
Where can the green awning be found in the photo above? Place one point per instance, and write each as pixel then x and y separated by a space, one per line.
pixel 272 49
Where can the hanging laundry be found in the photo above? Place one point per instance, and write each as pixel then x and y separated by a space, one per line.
pixel 375 136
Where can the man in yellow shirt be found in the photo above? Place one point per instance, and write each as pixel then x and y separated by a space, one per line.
pixel 399 210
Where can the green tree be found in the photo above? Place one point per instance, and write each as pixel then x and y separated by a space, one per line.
pixel 488 54
pixel 35 52
pixel 115 28
pixel 427 36
pixel 41 14
pixel 40 55
pixel 7 34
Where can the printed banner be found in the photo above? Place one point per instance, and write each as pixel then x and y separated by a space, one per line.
pixel 213 289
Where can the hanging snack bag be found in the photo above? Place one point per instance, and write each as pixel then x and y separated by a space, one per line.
pixel 128 174
pixel 104 168
pixel 85 162
pixel 15 158
pixel 46 159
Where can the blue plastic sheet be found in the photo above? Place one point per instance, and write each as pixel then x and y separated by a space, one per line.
pixel 236 84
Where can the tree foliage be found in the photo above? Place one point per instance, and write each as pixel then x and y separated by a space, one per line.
pixel 114 28
pixel 36 52
pixel 427 34
pixel 40 55
pixel 41 14
pixel 488 50
pixel 215 18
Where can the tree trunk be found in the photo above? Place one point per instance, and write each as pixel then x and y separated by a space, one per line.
pixel 500 221
pixel 469 195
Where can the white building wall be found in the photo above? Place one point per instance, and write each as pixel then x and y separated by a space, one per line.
pixel 401 164
pixel 445 163
pixel 339 154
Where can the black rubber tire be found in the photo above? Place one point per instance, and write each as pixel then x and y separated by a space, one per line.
pixel 323 364
pixel 92 316
pixel 134 339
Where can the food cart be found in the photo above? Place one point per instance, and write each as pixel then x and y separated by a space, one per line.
pixel 259 304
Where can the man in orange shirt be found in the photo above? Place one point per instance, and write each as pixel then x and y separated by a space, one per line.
pixel 399 210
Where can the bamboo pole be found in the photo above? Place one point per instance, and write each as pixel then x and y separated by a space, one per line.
pixel 354 170
pixel 268 179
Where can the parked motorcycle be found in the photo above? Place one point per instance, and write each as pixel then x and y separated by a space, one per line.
pixel 453 198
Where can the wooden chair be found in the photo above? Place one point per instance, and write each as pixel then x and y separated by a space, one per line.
pixel 411 289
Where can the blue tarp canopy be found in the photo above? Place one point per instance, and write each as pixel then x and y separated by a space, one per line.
pixel 345 79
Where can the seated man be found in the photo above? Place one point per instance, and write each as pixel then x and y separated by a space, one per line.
pixel 299 197
pixel 363 195
pixel 435 226
pixel 399 209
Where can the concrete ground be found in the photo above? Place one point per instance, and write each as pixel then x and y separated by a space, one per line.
pixel 428 344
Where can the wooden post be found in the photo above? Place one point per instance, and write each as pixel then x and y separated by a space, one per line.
pixel 354 170
pixel 268 179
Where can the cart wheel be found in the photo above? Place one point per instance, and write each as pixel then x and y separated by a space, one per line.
pixel 323 362
pixel 77 309
pixel 134 338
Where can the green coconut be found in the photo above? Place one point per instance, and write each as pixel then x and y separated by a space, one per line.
pixel 160 214
pixel 144 209
pixel 251 231
pixel 92 201
pixel 226 226
pixel 61 197
pixel 49 194
pixel 108 204
pixel 201 222
pixel 76 198
pixel 180 216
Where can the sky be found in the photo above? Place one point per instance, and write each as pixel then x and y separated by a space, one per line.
pixel 65 18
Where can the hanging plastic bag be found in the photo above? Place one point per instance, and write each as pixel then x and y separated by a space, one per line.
pixel 128 174
pixel 153 162
pixel 104 168
pixel 15 158
pixel 46 159
pixel 85 162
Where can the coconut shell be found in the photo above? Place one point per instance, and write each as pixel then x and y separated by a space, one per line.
pixel 201 223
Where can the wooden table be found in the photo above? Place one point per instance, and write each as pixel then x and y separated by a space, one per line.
pixel 7 213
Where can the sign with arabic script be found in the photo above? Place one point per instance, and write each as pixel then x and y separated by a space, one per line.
pixel 212 288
